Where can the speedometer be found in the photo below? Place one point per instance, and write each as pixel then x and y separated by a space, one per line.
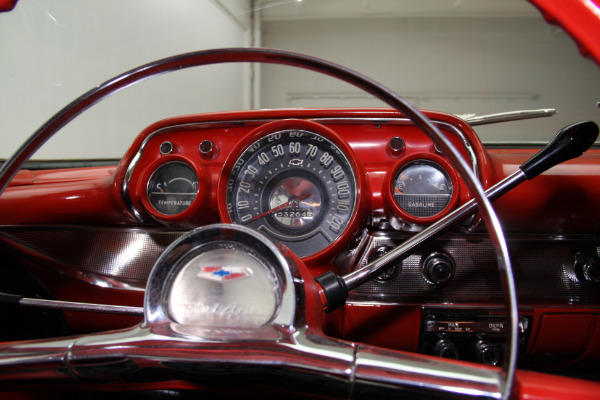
pixel 295 185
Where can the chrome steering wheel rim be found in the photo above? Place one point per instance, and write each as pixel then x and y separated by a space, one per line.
pixel 78 106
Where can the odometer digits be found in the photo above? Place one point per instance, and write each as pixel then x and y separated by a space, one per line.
pixel 295 185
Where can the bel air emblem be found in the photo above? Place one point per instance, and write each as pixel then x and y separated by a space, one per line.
pixel 221 274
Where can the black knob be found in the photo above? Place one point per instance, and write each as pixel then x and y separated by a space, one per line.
pixel 438 269
pixel 489 354
pixel 446 349
pixel 587 268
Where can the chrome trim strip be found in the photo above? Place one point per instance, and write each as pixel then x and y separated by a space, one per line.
pixel 125 194
pixel 78 306
pixel 509 116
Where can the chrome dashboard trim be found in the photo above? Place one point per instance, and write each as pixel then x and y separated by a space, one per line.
pixel 133 273
pixel 509 116
pixel 84 307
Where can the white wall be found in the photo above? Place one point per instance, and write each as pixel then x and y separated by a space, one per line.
pixel 457 64
pixel 53 51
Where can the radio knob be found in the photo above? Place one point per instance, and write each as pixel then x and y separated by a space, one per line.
pixel 438 269
pixel 489 354
pixel 446 349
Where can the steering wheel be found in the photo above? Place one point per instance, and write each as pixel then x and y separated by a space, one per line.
pixel 441 375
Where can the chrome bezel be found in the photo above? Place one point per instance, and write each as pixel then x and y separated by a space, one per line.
pixel 160 168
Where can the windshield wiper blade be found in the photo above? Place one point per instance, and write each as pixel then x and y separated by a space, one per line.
pixel 507 116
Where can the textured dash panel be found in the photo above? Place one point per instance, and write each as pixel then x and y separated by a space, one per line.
pixel 542 266
pixel 122 254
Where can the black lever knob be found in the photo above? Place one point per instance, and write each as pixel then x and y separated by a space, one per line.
pixel 571 142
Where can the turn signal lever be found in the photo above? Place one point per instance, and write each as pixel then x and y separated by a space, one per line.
pixel 571 142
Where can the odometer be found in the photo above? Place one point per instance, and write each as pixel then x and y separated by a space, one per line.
pixel 296 186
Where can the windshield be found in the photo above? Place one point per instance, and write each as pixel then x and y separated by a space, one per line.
pixel 467 57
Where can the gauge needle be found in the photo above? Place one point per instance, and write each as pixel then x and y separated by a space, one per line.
pixel 435 185
pixel 398 190
pixel 284 205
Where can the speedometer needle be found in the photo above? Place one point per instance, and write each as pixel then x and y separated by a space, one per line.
pixel 279 207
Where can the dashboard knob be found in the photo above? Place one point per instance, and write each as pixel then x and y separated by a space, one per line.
pixel 489 354
pixel 446 349
pixel 396 147
pixel 208 150
pixel 166 148
pixel 587 268
pixel 438 269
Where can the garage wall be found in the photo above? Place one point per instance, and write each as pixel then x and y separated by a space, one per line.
pixel 53 51
pixel 457 64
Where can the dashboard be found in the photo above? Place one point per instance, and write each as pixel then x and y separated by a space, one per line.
pixel 340 187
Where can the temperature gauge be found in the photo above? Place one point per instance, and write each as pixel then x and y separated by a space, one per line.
pixel 172 188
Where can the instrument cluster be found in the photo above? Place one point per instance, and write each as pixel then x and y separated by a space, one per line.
pixel 311 184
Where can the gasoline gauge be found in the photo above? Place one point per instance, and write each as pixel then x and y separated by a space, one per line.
pixel 422 188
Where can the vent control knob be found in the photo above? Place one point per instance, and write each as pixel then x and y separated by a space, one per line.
pixel 438 269
pixel 587 268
